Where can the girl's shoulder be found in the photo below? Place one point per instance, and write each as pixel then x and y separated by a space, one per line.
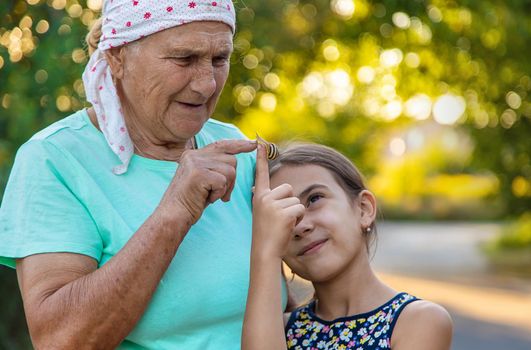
pixel 423 325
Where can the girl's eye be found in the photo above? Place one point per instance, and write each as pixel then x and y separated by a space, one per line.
pixel 314 198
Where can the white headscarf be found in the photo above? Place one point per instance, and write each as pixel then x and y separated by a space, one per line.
pixel 124 21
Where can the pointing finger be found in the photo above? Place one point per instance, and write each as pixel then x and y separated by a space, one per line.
pixel 261 179
pixel 232 146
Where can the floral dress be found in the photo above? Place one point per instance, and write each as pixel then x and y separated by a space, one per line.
pixel 370 330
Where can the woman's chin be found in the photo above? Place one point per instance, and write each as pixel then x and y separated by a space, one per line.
pixel 186 125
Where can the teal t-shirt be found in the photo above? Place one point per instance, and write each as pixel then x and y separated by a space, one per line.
pixel 63 197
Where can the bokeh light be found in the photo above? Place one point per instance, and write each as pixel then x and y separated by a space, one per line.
pixel 391 110
pixel 330 50
pixel 42 26
pixel 418 107
pixel 391 58
pixel 397 146
pixel 94 5
pixel 365 74
pixel 268 102
pixel 272 81
pixel 412 60
pixel 448 108
pixel 513 100
pixel 344 8
pixel 401 20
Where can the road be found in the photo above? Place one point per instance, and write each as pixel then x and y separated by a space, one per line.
pixel 443 262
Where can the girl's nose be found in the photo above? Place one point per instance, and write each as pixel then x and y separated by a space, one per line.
pixel 303 228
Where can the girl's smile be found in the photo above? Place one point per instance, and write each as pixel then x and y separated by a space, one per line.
pixel 313 247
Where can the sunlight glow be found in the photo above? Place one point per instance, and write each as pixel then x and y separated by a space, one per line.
pixel 250 61
pixel 94 5
pixel 272 81
pixel 448 109
pixel 63 103
pixel 58 4
pixel 418 107
pixel 341 88
pixel 326 109
pixel 508 118
pixel 268 102
pixel 391 110
pixel 365 74
pixel 312 83
pixel 42 27
pixel 245 95
pixel 513 100
pixel 397 146
pixel 370 106
pixel 331 53
pixel 330 87
pixel 412 60
pixel 388 92
pixel 391 58
pixel 401 20
pixel 344 8
pixel 435 14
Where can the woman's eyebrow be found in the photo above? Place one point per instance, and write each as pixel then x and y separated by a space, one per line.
pixel 185 51
pixel 310 189
pixel 190 51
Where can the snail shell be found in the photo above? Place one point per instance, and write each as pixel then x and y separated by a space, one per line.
pixel 271 148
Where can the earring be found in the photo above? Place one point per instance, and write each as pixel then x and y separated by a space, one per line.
pixel 368 230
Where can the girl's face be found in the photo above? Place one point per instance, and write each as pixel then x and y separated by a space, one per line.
pixel 328 240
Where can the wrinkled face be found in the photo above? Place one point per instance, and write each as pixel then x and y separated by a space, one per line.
pixel 172 79
pixel 328 240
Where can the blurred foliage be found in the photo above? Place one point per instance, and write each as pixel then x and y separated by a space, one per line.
pixel 511 251
pixel 379 81
pixel 430 89
pixel 516 235
pixel 429 98
pixel 13 328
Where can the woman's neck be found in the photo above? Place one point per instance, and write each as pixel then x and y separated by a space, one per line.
pixel 147 148
pixel 161 151
pixel 354 291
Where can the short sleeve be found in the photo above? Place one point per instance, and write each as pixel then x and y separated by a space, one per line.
pixel 40 213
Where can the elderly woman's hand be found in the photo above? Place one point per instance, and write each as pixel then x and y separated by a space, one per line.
pixel 204 176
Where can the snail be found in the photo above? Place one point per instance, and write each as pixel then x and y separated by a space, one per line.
pixel 272 149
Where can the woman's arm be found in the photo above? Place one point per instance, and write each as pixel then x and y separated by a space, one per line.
pixel 423 325
pixel 69 303
pixel 275 213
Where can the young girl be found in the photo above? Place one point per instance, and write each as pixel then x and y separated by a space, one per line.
pixel 312 210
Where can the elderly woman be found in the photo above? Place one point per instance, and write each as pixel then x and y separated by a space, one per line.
pixel 130 222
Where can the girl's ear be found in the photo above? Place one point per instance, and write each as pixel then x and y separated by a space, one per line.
pixel 116 59
pixel 367 203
